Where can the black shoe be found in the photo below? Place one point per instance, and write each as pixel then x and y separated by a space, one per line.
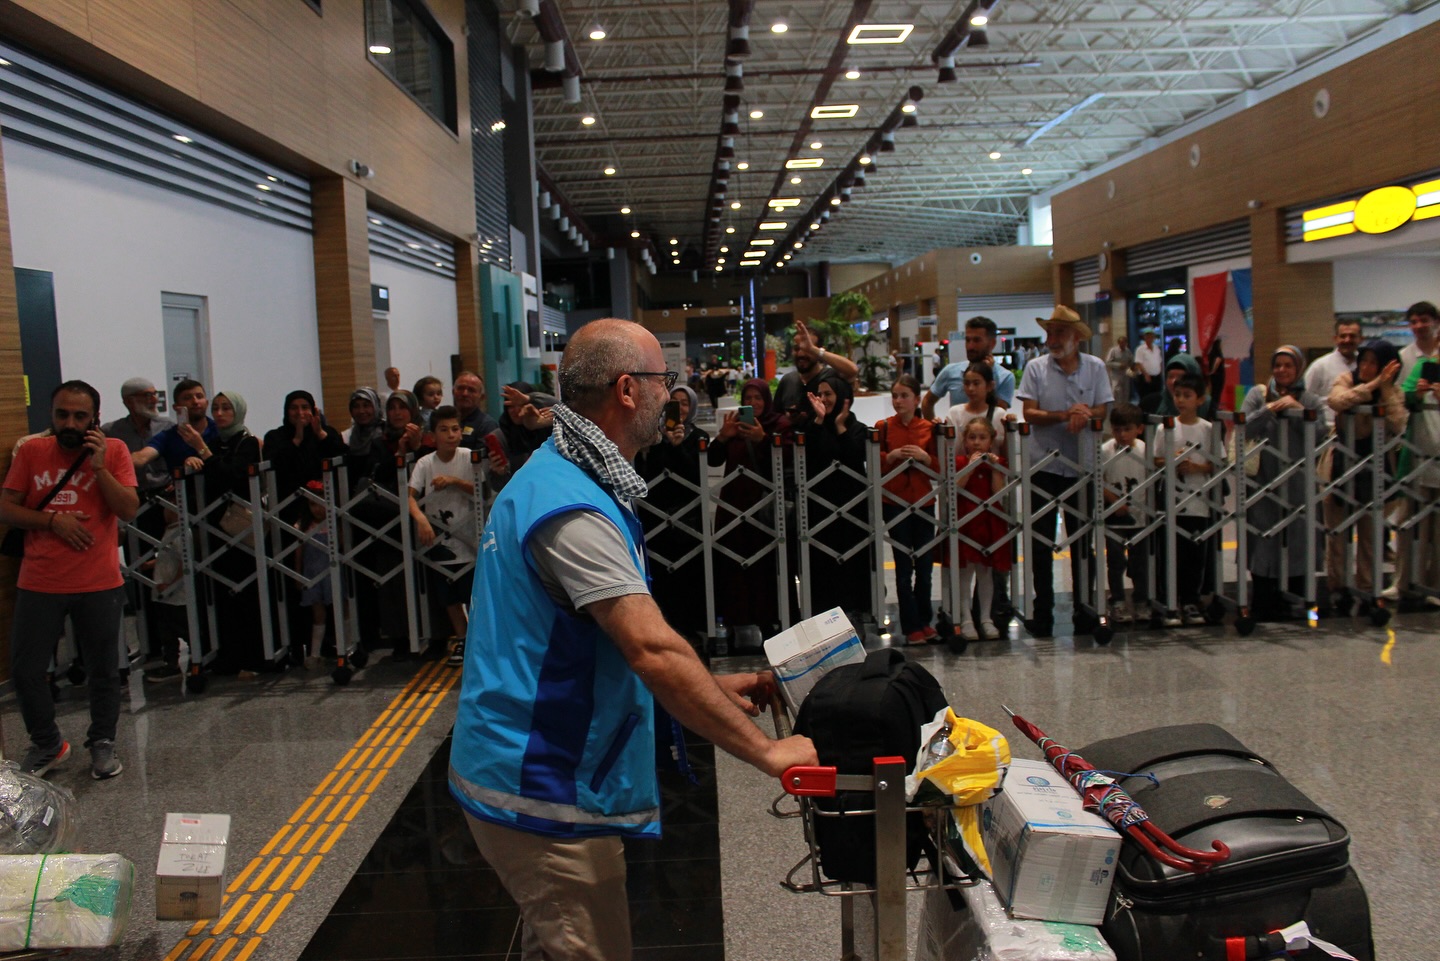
pixel 161 674
pixel 1038 628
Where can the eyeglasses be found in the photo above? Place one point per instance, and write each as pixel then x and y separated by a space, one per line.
pixel 671 376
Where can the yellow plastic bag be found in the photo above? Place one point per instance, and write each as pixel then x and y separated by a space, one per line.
pixel 971 773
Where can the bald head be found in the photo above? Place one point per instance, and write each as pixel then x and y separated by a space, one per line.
pixel 600 352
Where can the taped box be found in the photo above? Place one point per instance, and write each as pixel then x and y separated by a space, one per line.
pixel 804 653
pixel 191 872
pixel 1051 859
pixel 64 900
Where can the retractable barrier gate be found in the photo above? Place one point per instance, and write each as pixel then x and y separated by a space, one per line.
pixel 1073 493
pixel 1416 521
pixel 833 521
pixel 749 526
pixel 1355 464
pixel 686 543
pixel 932 513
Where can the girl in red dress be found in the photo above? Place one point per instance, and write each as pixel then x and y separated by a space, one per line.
pixel 980 551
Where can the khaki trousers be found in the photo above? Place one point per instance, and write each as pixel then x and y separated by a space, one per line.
pixel 571 892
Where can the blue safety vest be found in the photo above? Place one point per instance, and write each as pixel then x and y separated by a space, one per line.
pixel 554 733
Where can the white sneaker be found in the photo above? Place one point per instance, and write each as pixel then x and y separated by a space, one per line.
pixel 1171 619
pixel 968 632
pixel 1391 593
pixel 1432 601
pixel 1120 613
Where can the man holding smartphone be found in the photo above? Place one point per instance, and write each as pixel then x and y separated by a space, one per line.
pixel 68 493
pixel 1420 382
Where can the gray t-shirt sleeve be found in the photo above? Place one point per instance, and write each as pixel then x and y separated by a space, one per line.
pixel 582 557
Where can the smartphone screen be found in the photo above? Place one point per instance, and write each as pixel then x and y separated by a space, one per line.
pixel 746 414
pixel 1430 370
pixel 672 414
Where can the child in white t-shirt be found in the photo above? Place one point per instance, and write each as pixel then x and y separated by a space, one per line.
pixel 1125 470
pixel 1193 469
pixel 445 480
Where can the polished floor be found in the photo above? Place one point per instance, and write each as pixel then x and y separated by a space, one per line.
pixel 345 845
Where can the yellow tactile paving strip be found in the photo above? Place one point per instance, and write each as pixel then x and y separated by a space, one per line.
pixel 257 897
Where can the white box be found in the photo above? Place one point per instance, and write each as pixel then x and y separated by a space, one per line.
pixel 191 871
pixel 805 652
pixel 982 931
pixel 1051 859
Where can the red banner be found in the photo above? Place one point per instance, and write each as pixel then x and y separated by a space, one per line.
pixel 1209 294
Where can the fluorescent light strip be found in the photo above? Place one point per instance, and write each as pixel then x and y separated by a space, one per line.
pixel 805 163
pixel 1334 221
pixel 762 243
pixel 880 33
pixel 749 263
pixel 774 225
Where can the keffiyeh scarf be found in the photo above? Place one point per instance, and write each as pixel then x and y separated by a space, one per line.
pixel 581 442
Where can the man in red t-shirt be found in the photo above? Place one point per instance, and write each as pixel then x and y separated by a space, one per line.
pixel 71 568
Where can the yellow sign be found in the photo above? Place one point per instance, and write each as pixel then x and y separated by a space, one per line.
pixel 1378 212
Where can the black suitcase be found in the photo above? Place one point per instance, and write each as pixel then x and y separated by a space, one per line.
pixel 1289 859
pixel 855 714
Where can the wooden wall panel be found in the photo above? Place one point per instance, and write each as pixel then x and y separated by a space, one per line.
pixel 342 293
pixel 1277 153
pixel 13 421
pixel 934 280
pixel 845 276
pixel 467 306
pixel 275 78
pixel 1291 301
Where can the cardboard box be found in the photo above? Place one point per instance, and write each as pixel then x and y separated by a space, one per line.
pixel 191 873
pixel 805 652
pixel 1052 860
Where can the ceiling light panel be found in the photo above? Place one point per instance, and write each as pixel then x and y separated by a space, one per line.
pixel 805 163
pixel 834 111
pixel 880 33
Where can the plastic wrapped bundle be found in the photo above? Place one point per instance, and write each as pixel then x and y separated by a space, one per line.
pixel 64 900
pixel 36 817
pixel 983 931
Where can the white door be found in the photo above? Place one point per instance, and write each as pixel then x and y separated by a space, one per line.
pixel 187 339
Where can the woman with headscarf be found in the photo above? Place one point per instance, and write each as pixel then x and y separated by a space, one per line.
pixel 523 429
pixel 669 465
pixel 835 437
pixel 747 596
pixel 1163 403
pixel 1283 553
pixel 1374 382
pixel 227 472
pixel 298 446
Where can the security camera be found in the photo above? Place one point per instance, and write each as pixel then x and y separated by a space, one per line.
pixel 363 171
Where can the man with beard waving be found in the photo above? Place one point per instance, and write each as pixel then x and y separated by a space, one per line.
pixel 68 493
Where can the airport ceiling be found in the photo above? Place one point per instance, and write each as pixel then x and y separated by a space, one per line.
pixel 1046 90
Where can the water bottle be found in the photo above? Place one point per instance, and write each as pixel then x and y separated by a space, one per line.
pixel 722 638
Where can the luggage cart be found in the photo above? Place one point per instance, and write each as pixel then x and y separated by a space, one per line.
pixel 893 880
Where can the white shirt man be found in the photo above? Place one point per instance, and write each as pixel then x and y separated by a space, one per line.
pixel 1325 371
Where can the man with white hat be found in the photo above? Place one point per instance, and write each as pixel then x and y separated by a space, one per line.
pixel 143 422
pixel 1062 391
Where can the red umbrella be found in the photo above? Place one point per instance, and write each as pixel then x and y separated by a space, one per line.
pixel 1107 799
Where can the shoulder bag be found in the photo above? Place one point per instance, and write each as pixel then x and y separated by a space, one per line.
pixel 13 544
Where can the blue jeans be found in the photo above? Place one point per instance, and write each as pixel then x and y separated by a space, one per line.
pixel 913 532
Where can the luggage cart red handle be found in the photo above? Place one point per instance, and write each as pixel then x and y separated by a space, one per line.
pixel 806 780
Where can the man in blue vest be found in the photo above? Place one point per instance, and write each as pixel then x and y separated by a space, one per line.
pixel 554 749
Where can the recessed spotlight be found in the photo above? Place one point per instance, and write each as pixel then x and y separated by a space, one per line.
pixel 774 225
pixel 979 20
pixel 798 245
pixel 865 160
pixel 852 74
pixel 742 166
pixel 805 163
pixel 718 268
pixel 609 171
pixel 834 111
pixel 817 145
pixel 814 226
pixel 780 27
pixel 720 260
pixel 756 114
pixel 729 230
pixel 624 210
pixel 794 180
pixel 995 155
pixel 1026 171
pixel 635 234
pixel 587 120
pixel 834 201
pixel 787 256
pixel 674 241
pixel 597 32
pixel 880 33
pixel 908 108
pixel 724 250
pixel 735 205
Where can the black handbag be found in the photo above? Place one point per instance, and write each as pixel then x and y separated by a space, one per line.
pixel 13 543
